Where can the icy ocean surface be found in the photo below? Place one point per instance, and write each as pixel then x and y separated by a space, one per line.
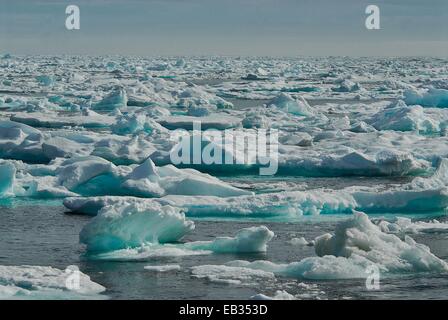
pixel 86 178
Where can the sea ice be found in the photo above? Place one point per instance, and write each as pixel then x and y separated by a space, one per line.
pixel 435 98
pixel 215 121
pixel 405 225
pixel 96 176
pixel 116 99
pixel 421 195
pixel 279 295
pixel 247 240
pixel 38 282
pixel 299 242
pixel 127 226
pixel 135 123
pixel 7 176
pixel 400 117
pixel 356 245
pixel 86 118
pixel 347 86
pixel 195 96
pixel 297 106
pixel 231 275
pixel 164 268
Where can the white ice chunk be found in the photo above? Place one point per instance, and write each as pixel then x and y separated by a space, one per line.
pixel 127 226
pixel 117 99
pixel 297 106
pixel 231 275
pixel 164 268
pixel 38 282
pixel 356 246
pixel 435 98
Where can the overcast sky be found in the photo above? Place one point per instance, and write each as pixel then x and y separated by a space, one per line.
pixel 225 27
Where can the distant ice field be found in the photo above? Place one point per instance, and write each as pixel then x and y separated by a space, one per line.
pixel 87 178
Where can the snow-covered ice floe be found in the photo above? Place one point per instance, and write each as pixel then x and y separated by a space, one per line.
pixel 356 245
pixel 92 175
pixel 145 230
pixel 307 291
pixel 279 295
pixel 118 227
pixel 406 225
pixel 223 274
pixel 428 194
pixel 39 282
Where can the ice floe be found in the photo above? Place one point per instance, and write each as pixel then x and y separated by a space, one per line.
pixel 96 176
pixel 405 225
pixel 116 99
pixel 39 282
pixel 231 275
pixel 421 195
pixel 297 106
pixel 436 98
pixel 122 226
pixel 400 117
pixel 86 118
pixel 139 246
pixel 356 245
pixel 164 268
pixel 279 295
